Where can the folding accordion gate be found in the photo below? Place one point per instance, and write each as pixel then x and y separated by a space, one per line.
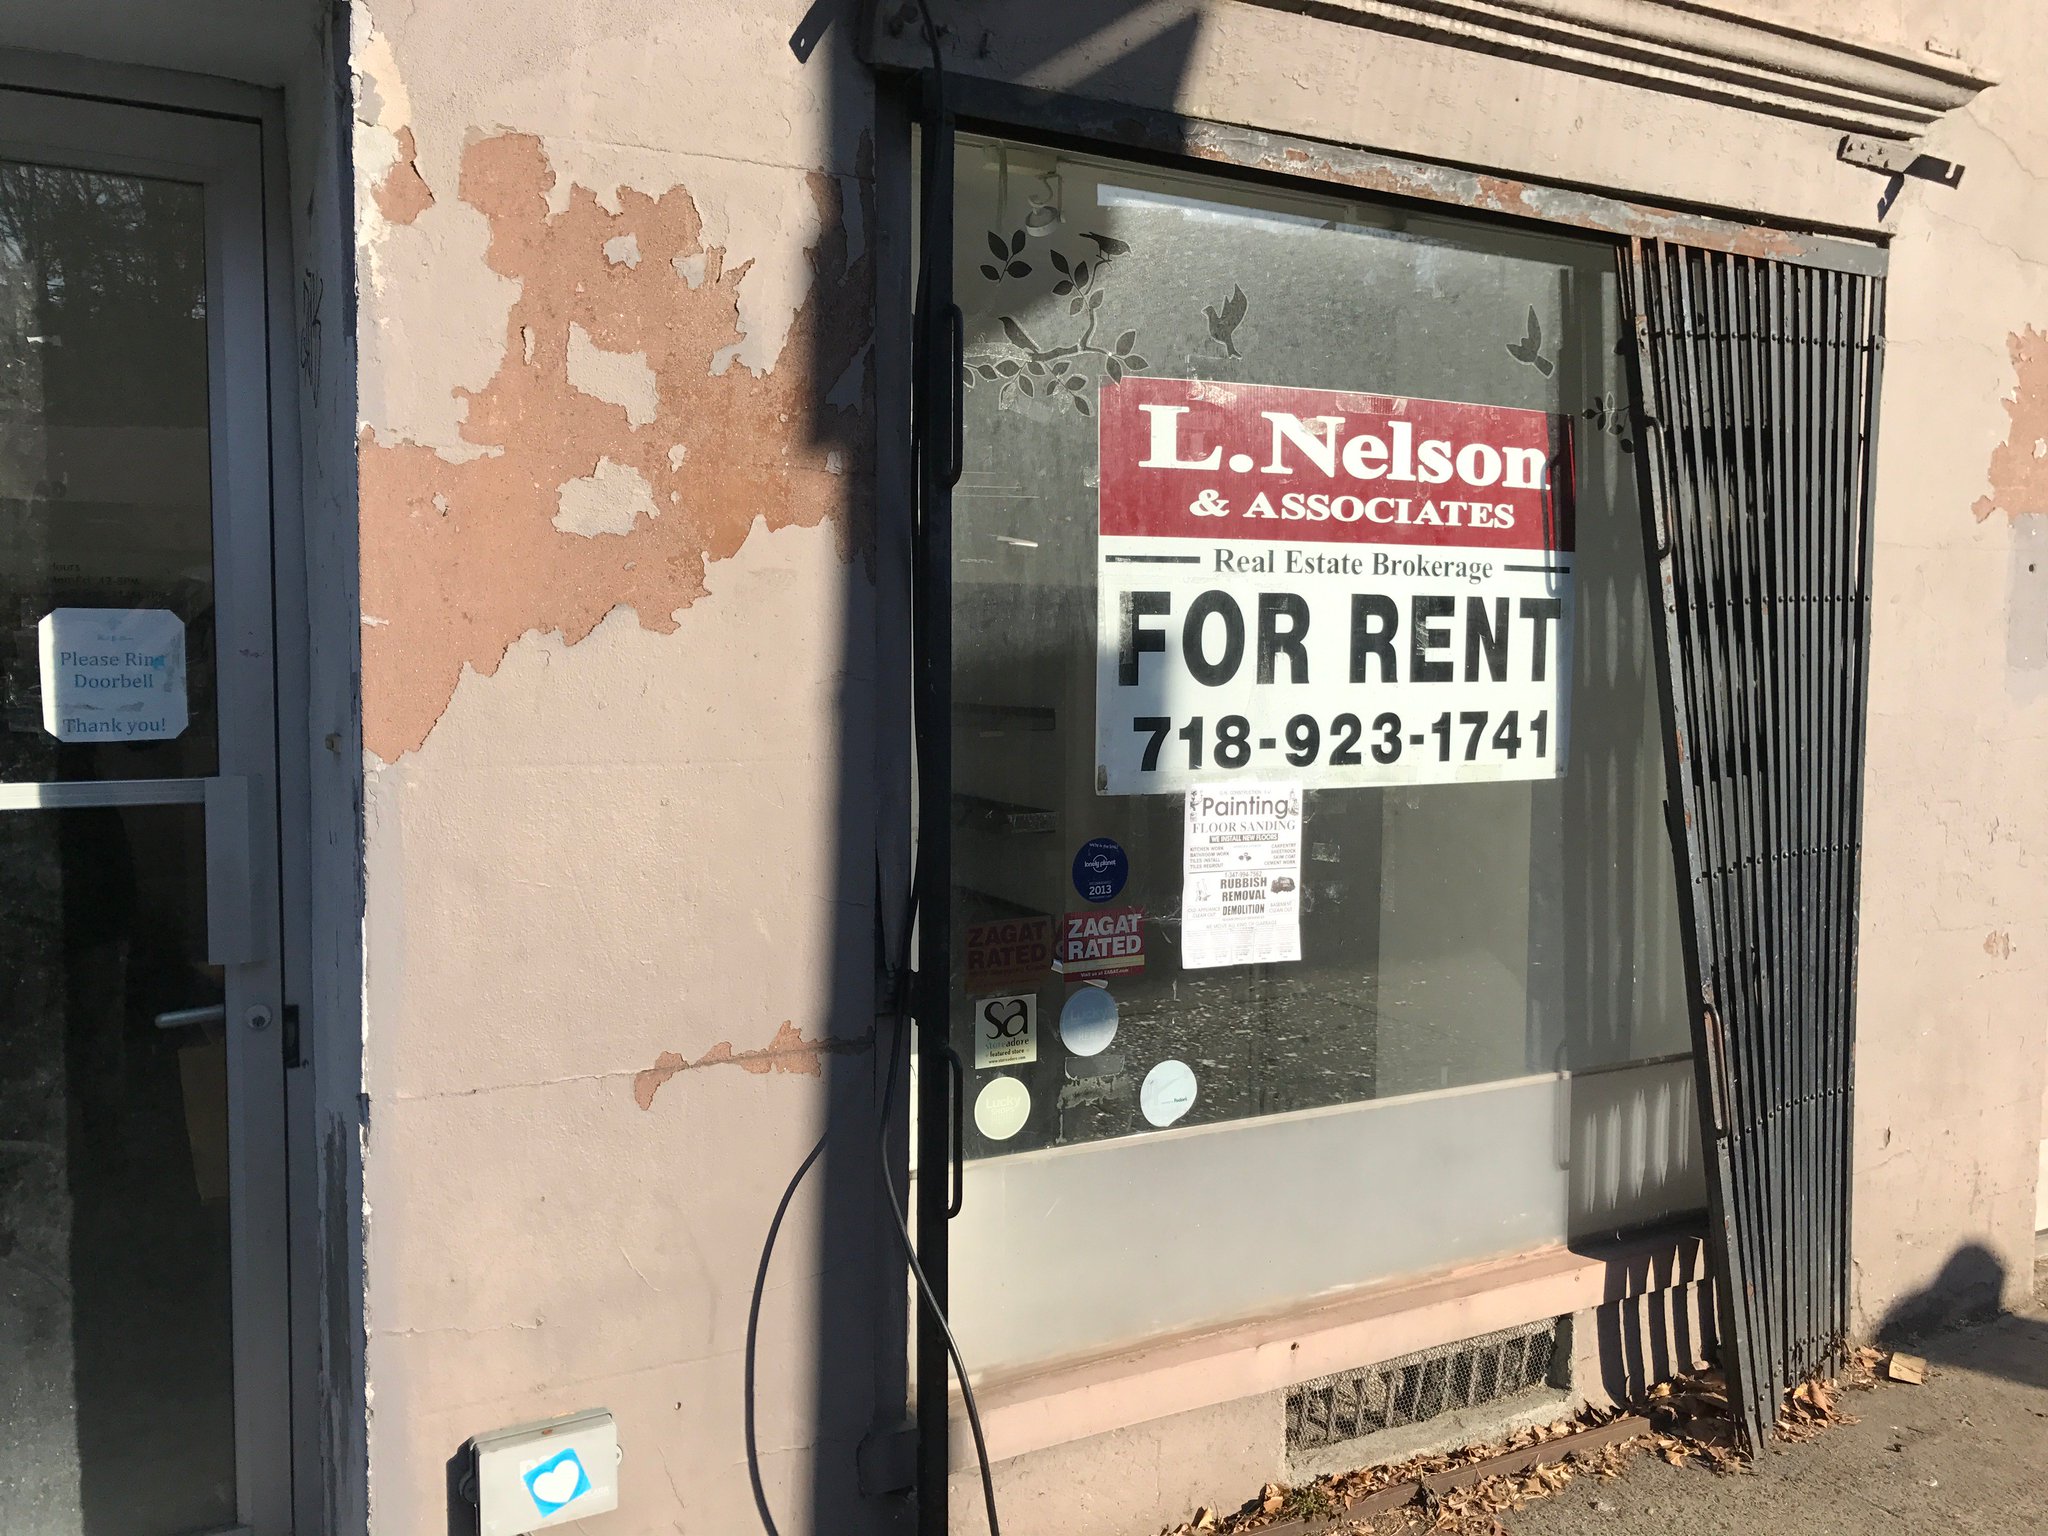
pixel 1758 386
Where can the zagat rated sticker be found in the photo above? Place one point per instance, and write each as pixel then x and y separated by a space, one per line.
pixel 1014 952
pixel 1101 944
pixel 1100 869
pixel 1006 1030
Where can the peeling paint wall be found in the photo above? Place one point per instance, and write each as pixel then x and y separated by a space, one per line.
pixel 1952 1060
pixel 657 432
pixel 615 444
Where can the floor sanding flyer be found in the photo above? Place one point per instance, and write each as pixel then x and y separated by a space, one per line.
pixel 1241 874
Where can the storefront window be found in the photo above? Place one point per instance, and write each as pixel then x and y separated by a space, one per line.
pixel 1305 731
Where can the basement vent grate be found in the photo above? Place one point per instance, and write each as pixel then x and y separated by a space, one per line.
pixel 1418 1387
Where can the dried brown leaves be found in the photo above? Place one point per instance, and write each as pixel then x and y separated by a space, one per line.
pixel 1810 1408
pixel 1694 1424
pixel 1472 1510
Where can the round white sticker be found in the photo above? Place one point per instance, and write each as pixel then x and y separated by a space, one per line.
pixel 1168 1092
pixel 1088 1021
pixel 1001 1108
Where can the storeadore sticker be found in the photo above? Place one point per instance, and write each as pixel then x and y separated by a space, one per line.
pixel 1350 589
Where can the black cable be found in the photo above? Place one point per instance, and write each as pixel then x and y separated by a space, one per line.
pixel 753 1333
pixel 900 1012
pixel 924 1286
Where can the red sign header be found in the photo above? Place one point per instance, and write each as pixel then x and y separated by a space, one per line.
pixel 1196 459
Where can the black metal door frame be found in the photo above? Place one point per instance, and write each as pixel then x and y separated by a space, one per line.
pixel 936 430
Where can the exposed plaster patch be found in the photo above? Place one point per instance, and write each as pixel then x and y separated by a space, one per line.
pixel 789 1051
pixel 609 500
pixel 623 250
pixel 429 339
pixel 2019 466
pixel 766 220
pixel 1998 944
pixel 422 337
pixel 622 378
pixel 402 195
pixel 379 87
pixel 690 269
pixel 461 586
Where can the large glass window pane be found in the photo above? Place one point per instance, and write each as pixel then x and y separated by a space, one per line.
pixel 116 1385
pixel 1446 936
pixel 116 1368
pixel 106 522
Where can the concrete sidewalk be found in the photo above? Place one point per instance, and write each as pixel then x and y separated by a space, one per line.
pixel 1967 1452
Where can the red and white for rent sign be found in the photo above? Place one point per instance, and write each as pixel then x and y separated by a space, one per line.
pixel 1353 589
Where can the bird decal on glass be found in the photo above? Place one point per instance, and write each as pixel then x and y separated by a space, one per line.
pixel 1223 323
pixel 1530 348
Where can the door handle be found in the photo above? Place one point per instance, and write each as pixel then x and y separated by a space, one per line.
pixel 956 1090
pixel 186 1018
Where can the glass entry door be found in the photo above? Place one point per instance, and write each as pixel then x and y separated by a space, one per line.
pixel 143 1360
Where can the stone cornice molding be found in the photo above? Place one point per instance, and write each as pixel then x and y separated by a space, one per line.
pixel 1705 51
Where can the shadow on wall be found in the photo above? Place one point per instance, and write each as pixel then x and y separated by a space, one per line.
pixel 823 1221
pixel 857 1473
pixel 1970 1290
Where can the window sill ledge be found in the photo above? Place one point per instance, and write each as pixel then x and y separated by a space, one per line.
pixel 1043 1406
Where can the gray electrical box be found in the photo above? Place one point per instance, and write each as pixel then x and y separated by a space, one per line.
pixel 538 1476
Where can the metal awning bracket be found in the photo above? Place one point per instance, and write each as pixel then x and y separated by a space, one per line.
pixel 1898 159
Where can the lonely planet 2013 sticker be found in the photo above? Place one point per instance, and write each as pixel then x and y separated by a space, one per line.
pixel 1100 869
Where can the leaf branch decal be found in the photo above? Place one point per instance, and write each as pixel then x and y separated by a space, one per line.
pixel 1006 253
pixel 1059 373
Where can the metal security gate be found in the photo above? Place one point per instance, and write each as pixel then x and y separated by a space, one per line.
pixel 1758 381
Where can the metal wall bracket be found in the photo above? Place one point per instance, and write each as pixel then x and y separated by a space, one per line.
pixel 1897 159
